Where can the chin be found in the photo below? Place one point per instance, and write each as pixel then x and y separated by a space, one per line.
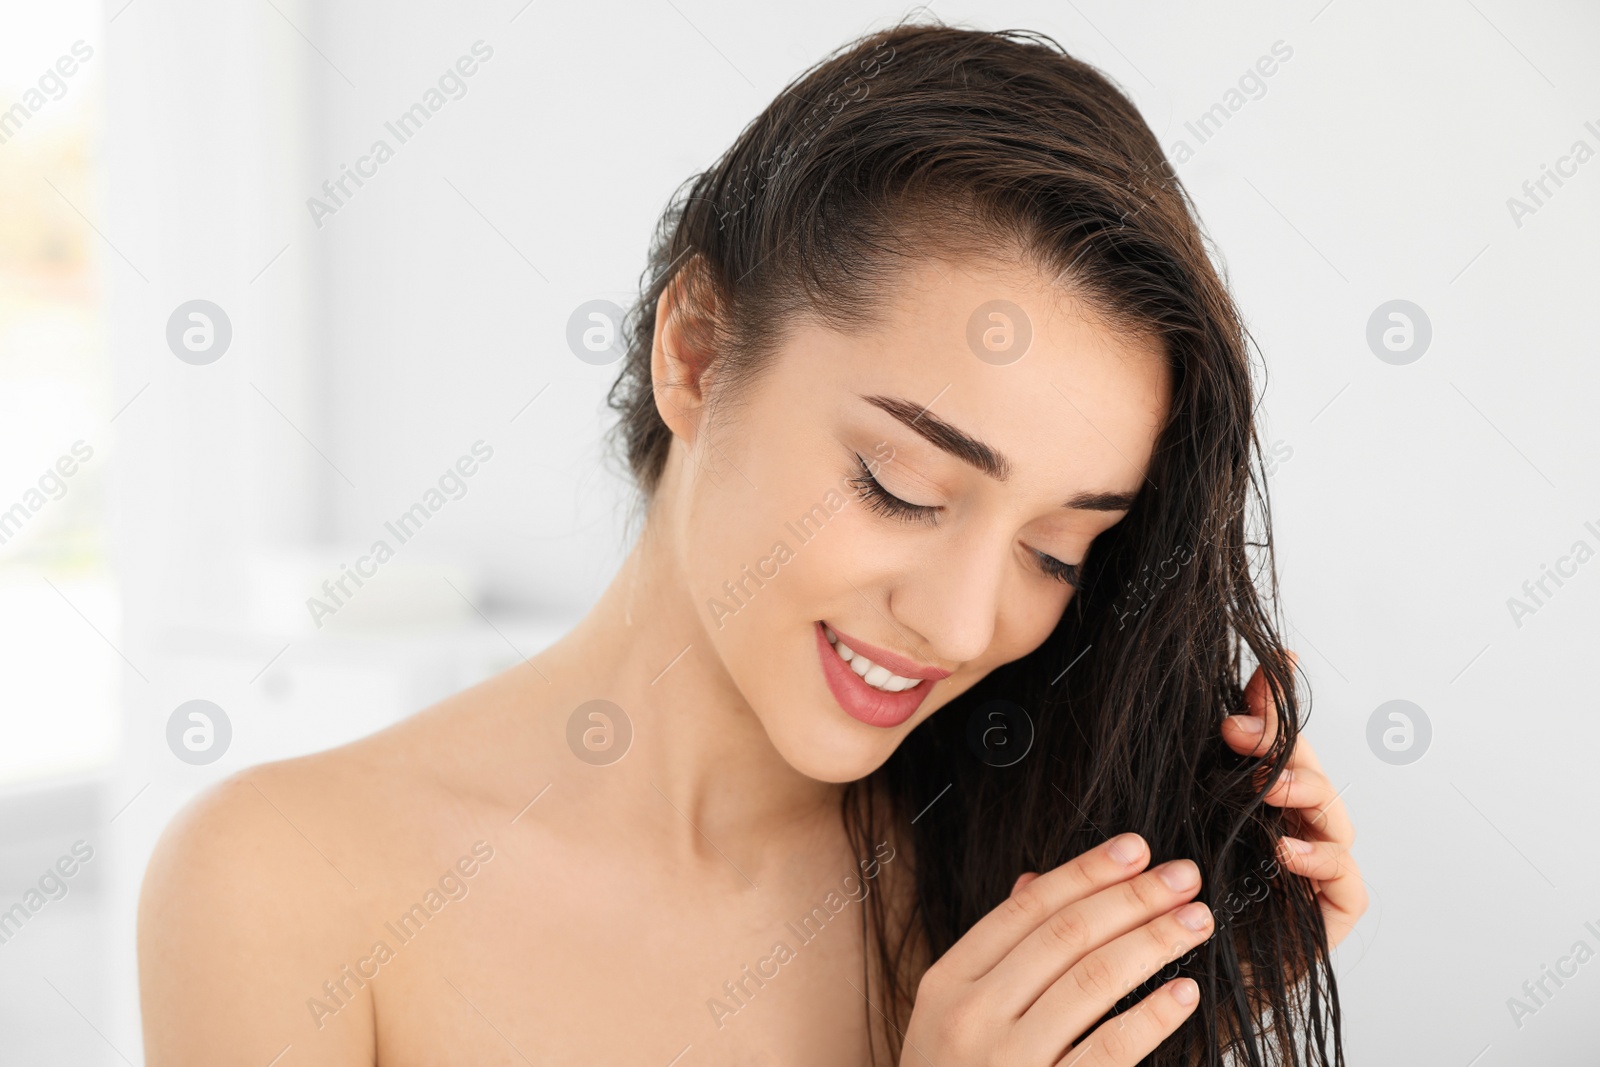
pixel 820 740
pixel 824 744
pixel 829 725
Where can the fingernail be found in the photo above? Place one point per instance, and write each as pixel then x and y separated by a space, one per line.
pixel 1249 723
pixel 1179 874
pixel 1194 916
pixel 1126 848
pixel 1297 845
pixel 1185 991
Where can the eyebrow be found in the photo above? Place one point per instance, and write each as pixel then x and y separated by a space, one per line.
pixel 975 453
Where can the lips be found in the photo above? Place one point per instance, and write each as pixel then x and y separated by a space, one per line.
pixel 861 701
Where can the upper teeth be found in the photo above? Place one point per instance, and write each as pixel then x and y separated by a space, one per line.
pixel 874 675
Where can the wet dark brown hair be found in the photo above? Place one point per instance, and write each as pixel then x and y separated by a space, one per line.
pixel 934 141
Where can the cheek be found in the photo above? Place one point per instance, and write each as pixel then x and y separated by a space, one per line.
pixel 810 556
pixel 1027 620
pixel 761 566
pixel 739 578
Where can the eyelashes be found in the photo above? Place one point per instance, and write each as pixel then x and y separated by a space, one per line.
pixel 1070 573
pixel 880 500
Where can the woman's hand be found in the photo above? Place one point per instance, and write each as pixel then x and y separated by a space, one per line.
pixel 1024 985
pixel 1315 813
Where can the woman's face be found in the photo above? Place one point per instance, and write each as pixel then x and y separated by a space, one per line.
pixel 1008 469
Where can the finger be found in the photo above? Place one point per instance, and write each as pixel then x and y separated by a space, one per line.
pixel 1014 918
pixel 1312 859
pixel 1092 987
pixel 1302 756
pixel 1300 788
pixel 1314 800
pixel 1243 734
pixel 1259 706
pixel 1079 929
pixel 1342 892
pixel 1023 879
pixel 1137 1032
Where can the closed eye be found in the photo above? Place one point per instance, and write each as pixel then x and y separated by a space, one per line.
pixel 1071 573
pixel 879 499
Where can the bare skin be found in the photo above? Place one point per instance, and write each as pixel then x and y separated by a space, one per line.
pixel 597 912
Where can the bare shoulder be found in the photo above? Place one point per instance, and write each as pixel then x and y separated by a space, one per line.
pixel 240 912
pixel 262 887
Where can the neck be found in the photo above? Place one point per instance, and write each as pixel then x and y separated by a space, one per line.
pixel 700 768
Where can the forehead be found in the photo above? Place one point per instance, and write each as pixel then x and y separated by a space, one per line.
pixel 1007 355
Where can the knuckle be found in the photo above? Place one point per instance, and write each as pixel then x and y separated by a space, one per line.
pixel 1027 906
pixel 932 984
pixel 1166 940
pixel 1164 946
pixel 1172 938
pixel 1116 1038
pixel 1007 1053
pixel 1358 891
pixel 1128 1036
pixel 1348 863
pixel 1165 1014
pixel 1067 931
pixel 1094 978
pixel 1149 892
pixel 961 1025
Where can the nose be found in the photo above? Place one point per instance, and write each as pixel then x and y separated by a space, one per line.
pixel 952 598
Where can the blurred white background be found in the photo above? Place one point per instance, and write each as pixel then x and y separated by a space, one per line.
pixel 374 345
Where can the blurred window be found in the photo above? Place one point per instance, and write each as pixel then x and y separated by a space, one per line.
pixel 59 611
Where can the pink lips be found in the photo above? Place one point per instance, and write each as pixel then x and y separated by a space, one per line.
pixel 860 700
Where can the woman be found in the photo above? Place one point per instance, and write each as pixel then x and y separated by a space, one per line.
pixel 903 735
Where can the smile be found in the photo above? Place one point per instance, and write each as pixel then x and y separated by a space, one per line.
pixel 873 674
pixel 880 689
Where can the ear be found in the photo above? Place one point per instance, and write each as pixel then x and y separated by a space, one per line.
pixel 682 350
